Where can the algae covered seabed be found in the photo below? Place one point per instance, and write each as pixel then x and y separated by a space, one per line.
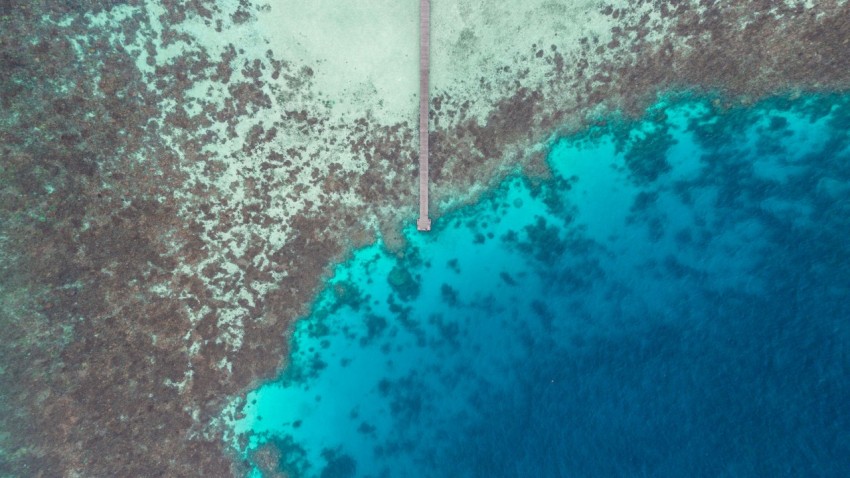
pixel 179 178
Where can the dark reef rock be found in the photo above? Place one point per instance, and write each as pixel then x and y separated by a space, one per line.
pixel 116 360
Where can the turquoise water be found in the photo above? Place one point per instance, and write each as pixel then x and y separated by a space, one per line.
pixel 672 302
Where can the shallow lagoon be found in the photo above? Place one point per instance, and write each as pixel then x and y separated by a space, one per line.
pixel 671 302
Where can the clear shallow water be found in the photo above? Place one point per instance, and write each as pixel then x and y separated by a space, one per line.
pixel 673 302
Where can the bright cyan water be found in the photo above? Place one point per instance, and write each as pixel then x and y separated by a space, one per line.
pixel 674 301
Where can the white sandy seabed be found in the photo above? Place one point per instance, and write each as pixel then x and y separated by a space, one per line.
pixel 366 53
pixel 364 58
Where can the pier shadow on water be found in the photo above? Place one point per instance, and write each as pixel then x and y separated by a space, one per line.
pixel 672 302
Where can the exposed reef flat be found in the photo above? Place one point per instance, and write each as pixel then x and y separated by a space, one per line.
pixel 176 178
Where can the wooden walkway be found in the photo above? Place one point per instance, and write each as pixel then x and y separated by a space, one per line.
pixel 424 222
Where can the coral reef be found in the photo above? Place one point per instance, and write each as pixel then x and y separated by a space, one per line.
pixel 173 189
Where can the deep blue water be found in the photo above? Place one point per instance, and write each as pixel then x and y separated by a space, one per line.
pixel 674 302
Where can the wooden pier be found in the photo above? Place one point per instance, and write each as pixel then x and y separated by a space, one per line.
pixel 424 222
